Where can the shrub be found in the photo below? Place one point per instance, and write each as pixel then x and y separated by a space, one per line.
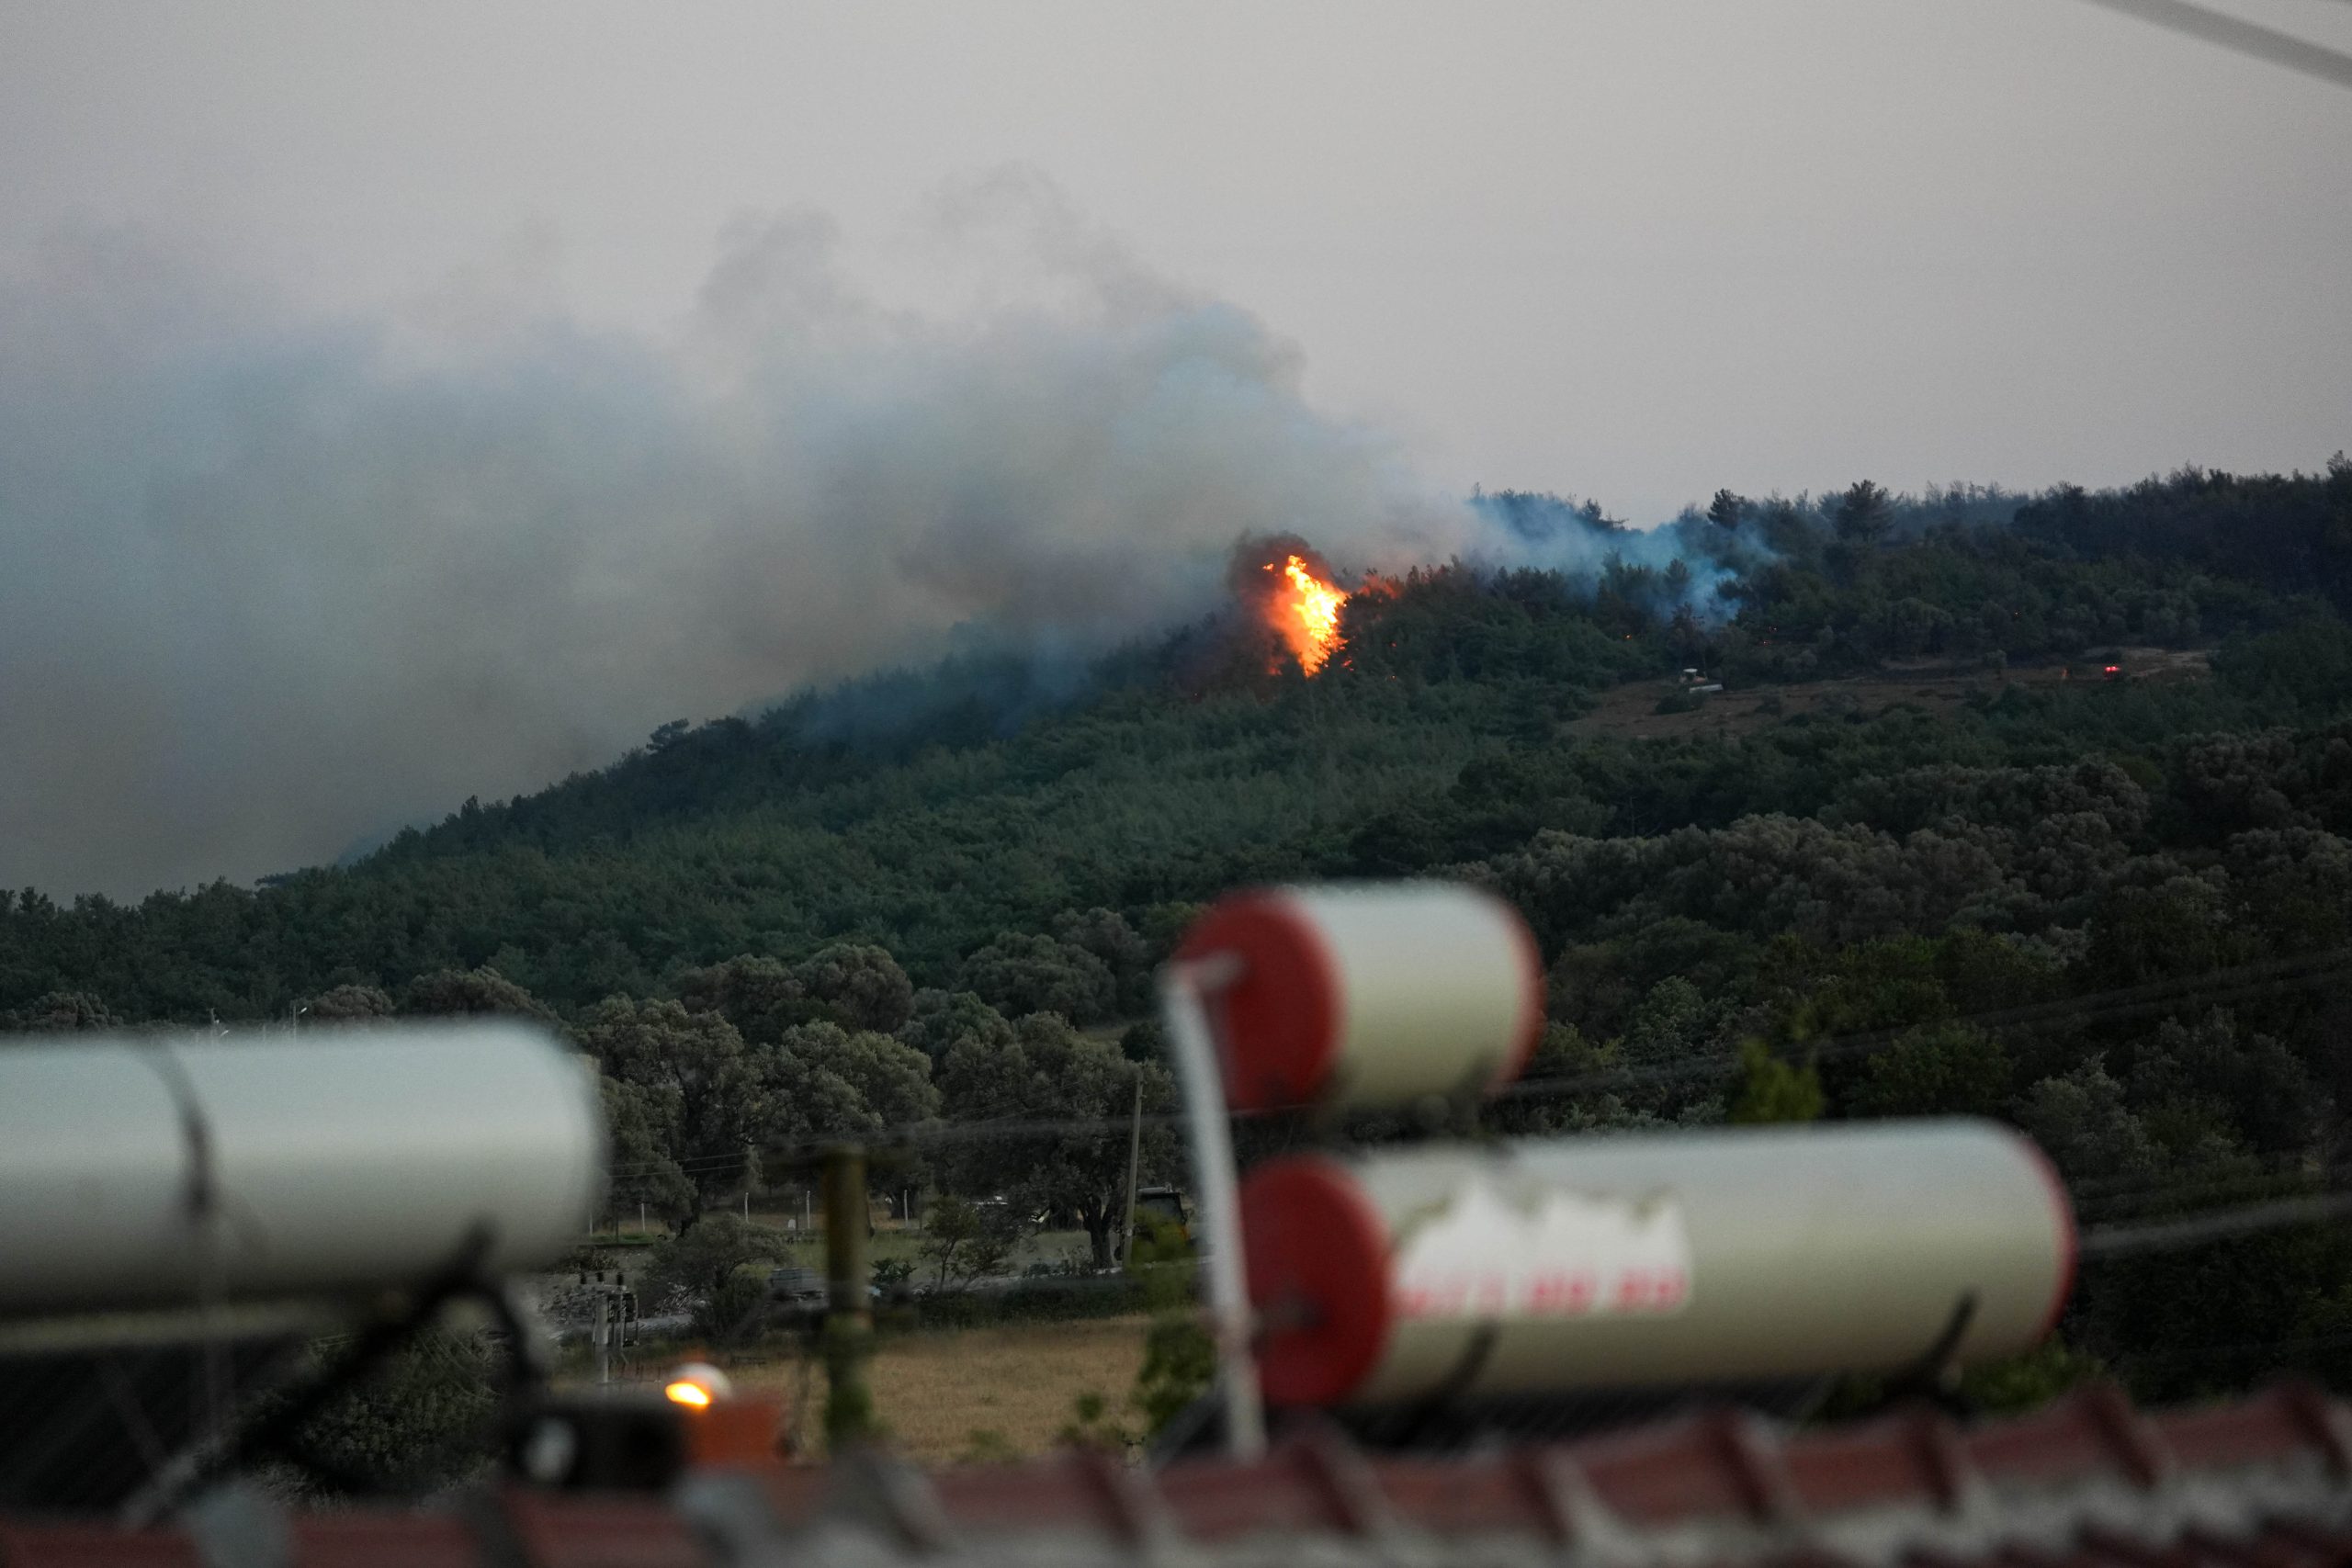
pixel 1680 700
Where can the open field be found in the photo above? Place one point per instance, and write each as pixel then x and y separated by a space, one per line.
pixel 1937 686
pixel 936 1392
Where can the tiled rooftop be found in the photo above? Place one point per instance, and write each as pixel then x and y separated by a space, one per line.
pixel 2257 1483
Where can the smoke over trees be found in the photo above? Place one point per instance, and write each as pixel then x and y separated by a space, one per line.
pixel 270 583
pixel 2112 912
pixel 272 586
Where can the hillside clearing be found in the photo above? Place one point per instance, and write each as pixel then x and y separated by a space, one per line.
pixel 1631 709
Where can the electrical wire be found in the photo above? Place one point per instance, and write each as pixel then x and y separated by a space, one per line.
pixel 2157 1192
pixel 2250 39
pixel 2269 1348
pixel 2212 988
pixel 2199 1230
pixel 2105 1201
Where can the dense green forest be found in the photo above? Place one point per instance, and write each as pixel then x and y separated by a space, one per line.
pixel 2114 912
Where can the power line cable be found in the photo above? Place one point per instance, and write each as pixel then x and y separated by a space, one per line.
pixel 2173 1236
pixel 2270 1348
pixel 2104 1196
pixel 2098 1006
pixel 2250 39
pixel 2212 988
pixel 2133 1187
pixel 2114 1006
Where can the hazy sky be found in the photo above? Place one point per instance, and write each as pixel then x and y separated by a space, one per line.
pixel 279 278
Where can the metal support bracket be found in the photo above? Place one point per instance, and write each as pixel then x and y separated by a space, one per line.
pixel 1184 992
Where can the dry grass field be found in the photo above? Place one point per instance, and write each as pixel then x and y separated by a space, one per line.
pixel 1014 1386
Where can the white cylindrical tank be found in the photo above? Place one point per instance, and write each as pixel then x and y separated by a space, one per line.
pixel 1626 1261
pixel 1369 995
pixel 348 1161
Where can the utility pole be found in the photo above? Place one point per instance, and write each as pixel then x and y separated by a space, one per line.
pixel 849 1315
pixel 613 1316
pixel 1134 1158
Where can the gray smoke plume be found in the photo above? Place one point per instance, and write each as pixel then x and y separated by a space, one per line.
pixel 268 583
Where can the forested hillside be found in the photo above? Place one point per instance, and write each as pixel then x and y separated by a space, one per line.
pixel 929 813
pixel 2114 911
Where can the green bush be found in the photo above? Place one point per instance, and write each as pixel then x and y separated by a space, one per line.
pixel 1046 1300
pixel 426 1418
pixel 1680 700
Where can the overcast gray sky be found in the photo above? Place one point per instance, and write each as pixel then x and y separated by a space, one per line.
pixel 1631 249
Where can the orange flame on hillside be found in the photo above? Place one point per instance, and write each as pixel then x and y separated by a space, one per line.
pixel 1307 612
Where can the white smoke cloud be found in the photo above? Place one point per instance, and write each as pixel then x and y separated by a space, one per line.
pixel 268 582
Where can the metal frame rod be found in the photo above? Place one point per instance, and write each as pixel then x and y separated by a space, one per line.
pixel 1184 992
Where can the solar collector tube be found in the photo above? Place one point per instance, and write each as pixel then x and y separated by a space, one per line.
pixel 1631 1261
pixel 158 1171
pixel 1372 994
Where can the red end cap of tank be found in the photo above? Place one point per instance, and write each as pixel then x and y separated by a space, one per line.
pixel 1532 988
pixel 1316 1253
pixel 1280 1016
pixel 2061 1214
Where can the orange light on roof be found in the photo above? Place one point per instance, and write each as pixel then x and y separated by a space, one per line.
pixel 697 1386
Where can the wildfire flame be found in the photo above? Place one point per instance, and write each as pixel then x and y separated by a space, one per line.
pixel 1307 612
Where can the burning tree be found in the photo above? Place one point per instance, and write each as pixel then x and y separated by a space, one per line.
pixel 1291 590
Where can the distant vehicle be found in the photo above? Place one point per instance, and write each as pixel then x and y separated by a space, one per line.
pixel 999 1207
pixel 1164 1205
pixel 805 1287
pixel 801 1286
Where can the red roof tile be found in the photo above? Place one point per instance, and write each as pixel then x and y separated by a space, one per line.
pixel 383 1540
pixel 598 1532
pixel 2262 1484
pixel 91 1546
